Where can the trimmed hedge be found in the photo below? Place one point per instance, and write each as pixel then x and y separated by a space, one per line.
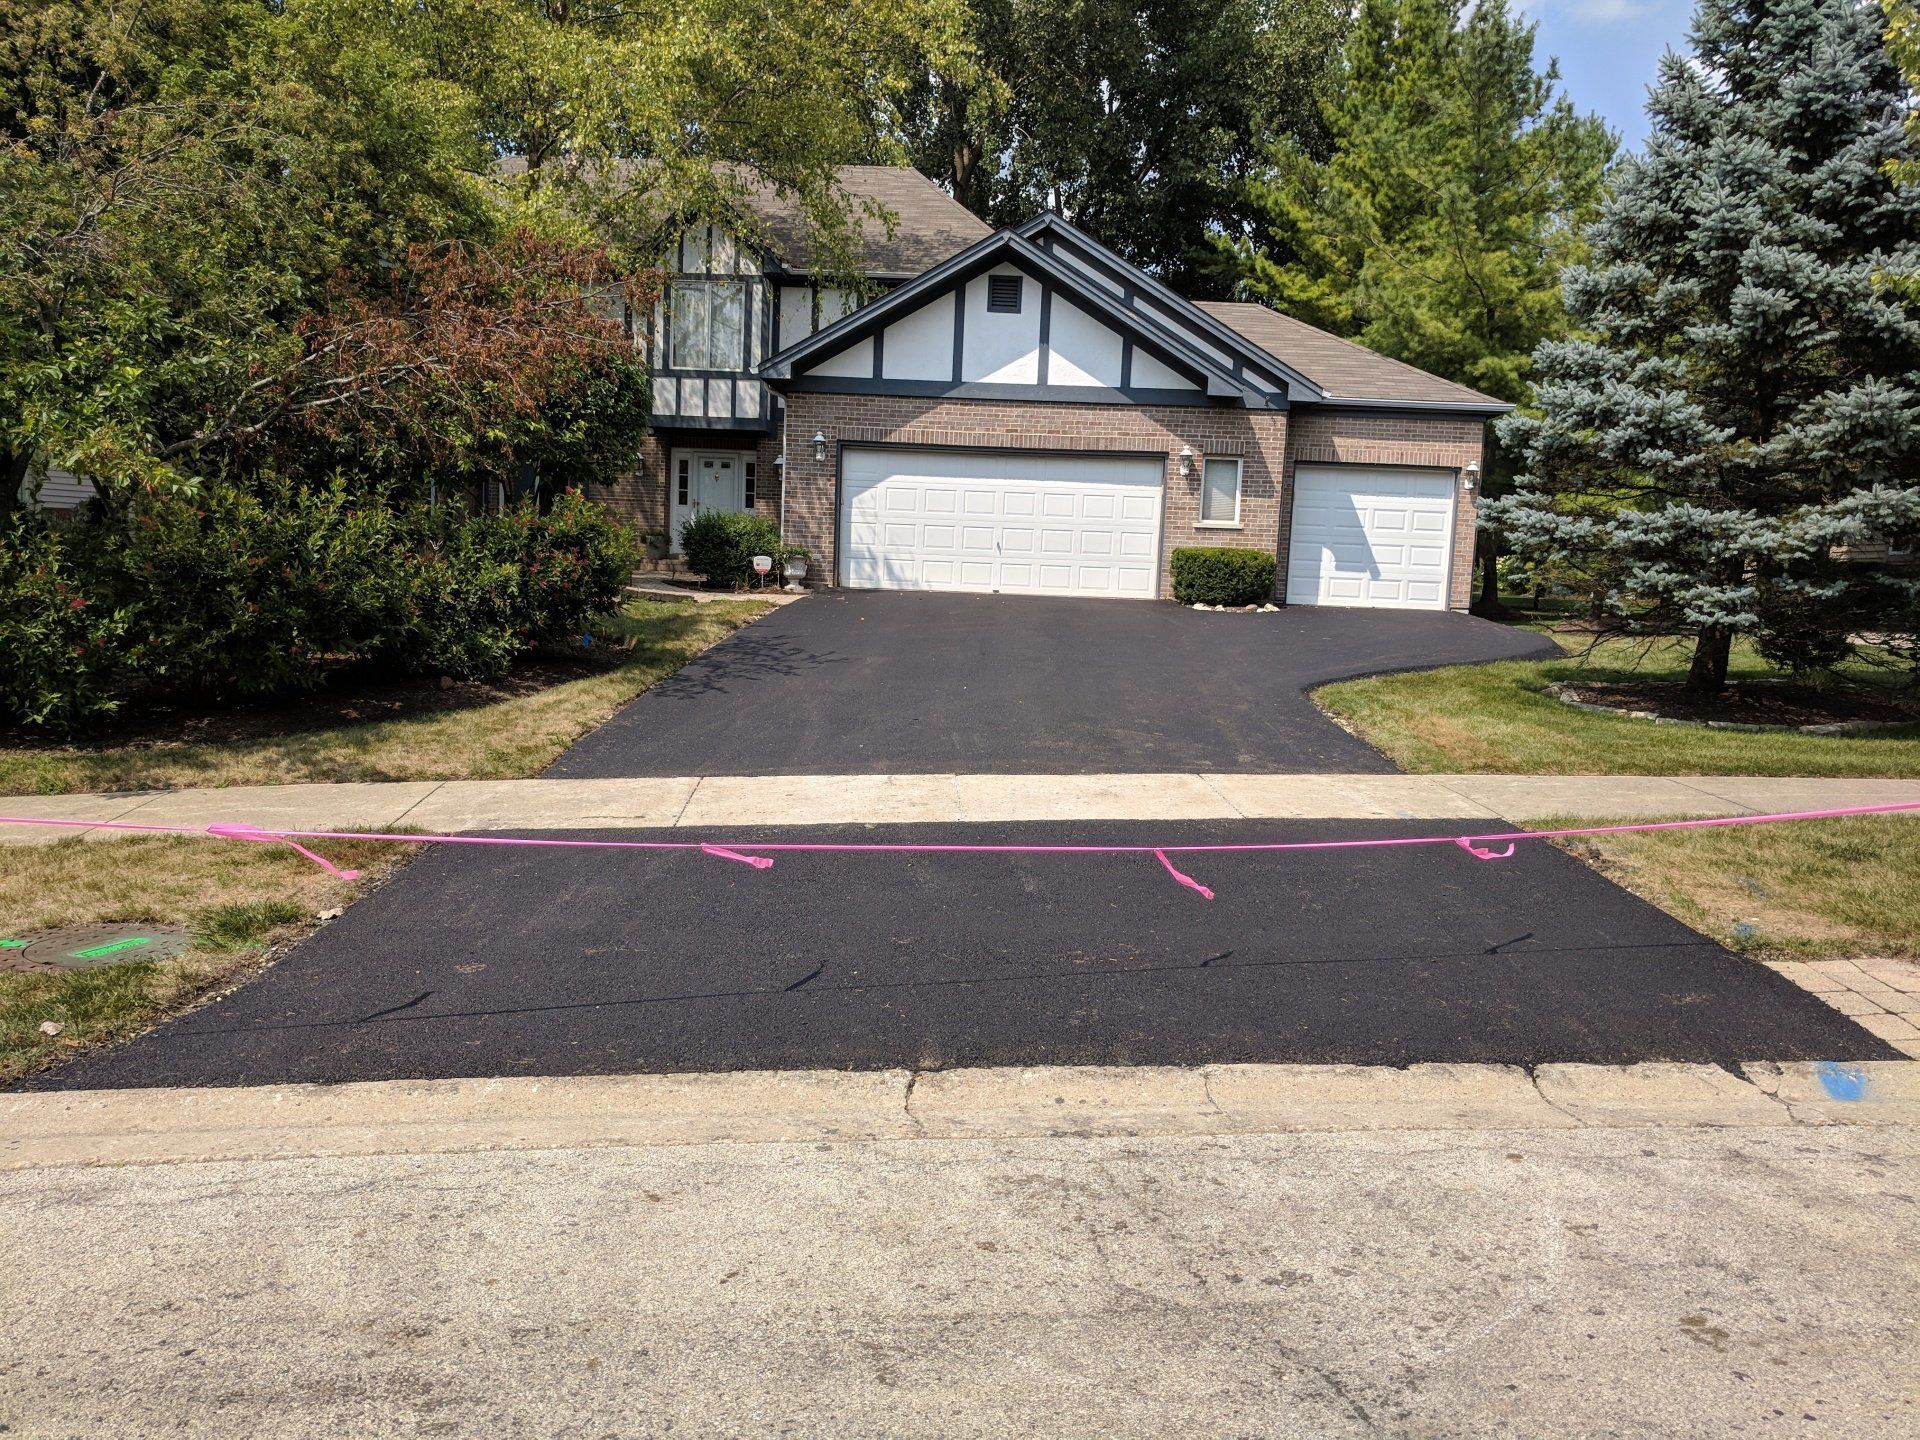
pixel 1222 575
pixel 720 545
pixel 229 593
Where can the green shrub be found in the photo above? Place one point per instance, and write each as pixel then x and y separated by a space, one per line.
pixel 720 545
pixel 229 592
pixel 574 563
pixel 60 635
pixel 232 592
pixel 1222 575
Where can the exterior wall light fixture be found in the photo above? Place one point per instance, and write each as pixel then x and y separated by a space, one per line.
pixel 1470 476
pixel 1186 462
pixel 819 448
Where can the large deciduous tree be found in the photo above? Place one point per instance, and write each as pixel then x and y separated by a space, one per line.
pixel 632 116
pixel 178 182
pixel 1747 401
pixel 1436 228
pixel 1137 122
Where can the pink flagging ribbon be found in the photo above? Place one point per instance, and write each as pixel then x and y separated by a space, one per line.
pixel 1472 844
pixel 721 852
pixel 1465 842
pixel 1186 880
pixel 254 832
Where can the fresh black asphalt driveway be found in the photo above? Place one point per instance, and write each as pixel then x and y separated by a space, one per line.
pixel 872 682
pixel 534 962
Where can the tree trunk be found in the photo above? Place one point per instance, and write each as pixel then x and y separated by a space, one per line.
pixel 1489 560
pixel 13 471
pixel 1712 649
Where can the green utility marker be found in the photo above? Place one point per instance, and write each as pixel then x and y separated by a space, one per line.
pixel 14 944
pixel 98 950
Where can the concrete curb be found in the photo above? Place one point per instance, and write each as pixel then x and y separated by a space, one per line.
pixel 144 1127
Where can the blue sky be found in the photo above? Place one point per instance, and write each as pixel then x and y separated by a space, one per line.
pixel 1608 50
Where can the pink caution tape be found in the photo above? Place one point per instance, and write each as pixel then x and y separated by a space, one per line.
pixel 758 862
pixel 1186 880
pixel 1474 845
pixel 254 832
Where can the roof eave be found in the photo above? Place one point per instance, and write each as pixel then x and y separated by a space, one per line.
pixel 1485 406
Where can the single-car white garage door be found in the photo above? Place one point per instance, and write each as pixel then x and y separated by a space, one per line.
pixel 1370 537
pixel 1015 523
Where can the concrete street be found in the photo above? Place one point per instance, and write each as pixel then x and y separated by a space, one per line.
pixel 1587 1254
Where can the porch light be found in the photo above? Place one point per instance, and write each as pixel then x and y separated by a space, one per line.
pixel 819 448
pixel 780 463
pixel 1186 462
pixel 1470 476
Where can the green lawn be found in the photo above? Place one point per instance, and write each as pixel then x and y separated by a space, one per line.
pixel 508 740
pixel 1805 890
pixel 1496 719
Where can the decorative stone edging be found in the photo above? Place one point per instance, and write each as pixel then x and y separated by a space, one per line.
pixel 1566 695
pixel 1268 608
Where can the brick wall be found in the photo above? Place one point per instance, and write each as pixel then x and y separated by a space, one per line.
pixel 1447 442
pixel 1257 438
pixel 639 496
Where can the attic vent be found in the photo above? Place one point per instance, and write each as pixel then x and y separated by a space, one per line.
pixel 1003 293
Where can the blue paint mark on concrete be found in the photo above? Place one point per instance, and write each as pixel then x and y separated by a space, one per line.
pixel 1842 1082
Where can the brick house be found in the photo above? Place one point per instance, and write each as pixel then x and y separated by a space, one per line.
pixel 1023 411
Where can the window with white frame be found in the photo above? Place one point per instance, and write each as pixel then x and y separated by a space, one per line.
pixel 707 325
pixel 1220 492
pixel 681 479
pixel 746 486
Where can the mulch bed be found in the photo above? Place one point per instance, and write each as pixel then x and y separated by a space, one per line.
pixel 1768 703
pixel 350 697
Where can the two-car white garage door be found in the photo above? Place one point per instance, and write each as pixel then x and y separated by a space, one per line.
pixel 1051 524
pixel 1016 523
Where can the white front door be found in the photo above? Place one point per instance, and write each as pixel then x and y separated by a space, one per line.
pixel 1371 537
pixel 706 480
pixel 1015 523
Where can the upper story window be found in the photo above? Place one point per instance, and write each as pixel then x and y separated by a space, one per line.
pixel 1003 293
pixel 707 324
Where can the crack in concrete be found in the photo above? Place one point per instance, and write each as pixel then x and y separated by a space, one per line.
pixel 1533 1079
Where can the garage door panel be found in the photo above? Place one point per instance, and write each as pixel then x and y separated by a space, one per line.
pixel 1370 537
pixel 1097 509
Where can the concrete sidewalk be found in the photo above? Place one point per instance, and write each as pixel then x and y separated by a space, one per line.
pixel 706 803
pixel 1451 1251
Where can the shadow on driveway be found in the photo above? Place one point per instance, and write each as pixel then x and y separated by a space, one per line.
pixel 870 682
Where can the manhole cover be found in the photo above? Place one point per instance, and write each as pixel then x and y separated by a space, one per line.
pixel 79 947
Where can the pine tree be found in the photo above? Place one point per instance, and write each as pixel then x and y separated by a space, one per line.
pixel 1747 400
pixel 1453 195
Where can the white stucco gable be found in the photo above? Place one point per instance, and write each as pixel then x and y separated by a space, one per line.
pixel 1006 320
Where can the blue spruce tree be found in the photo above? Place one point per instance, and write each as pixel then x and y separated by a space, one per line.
pixel 1744 401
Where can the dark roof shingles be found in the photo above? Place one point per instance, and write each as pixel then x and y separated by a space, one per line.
pixel 1344 370
pixel 930 225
